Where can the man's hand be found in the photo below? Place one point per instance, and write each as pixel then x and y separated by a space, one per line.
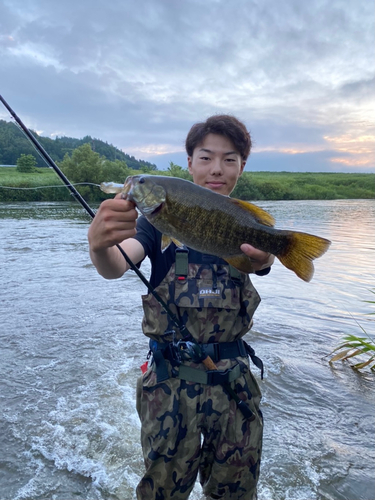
pixel 114 222
pixel 260 260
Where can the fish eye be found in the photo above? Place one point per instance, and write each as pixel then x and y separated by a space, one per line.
pixel 141 180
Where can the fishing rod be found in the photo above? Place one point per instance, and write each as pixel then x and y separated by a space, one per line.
pixel 46 157
pixel 199 351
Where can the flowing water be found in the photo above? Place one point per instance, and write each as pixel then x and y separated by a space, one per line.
pixel 71 347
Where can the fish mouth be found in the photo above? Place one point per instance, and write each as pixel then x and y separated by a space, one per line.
pixel 127 192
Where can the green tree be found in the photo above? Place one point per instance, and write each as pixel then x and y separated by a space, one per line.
pixel 177 171
pixel 13 143
pixel 84 166
pixel 246 189
pixel 26 163
pixel 145 169
pixel 115 171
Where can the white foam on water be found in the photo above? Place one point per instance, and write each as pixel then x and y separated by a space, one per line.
pixel 89 438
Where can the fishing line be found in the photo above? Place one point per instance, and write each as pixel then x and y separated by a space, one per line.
pixel 55 186
pixel 49 161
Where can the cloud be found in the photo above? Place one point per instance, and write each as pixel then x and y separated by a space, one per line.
pixel 139 74
pixel 272 161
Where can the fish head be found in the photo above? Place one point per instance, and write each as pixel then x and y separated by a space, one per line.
pixel 145 192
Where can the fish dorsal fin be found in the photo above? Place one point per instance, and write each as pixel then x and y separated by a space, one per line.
pixel 241 262
pixel 167 240
pixel 258 213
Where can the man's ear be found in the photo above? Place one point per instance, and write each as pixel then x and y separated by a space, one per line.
pixel 190 160
pixel 242 167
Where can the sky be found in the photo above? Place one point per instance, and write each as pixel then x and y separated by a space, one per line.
pixel 138 74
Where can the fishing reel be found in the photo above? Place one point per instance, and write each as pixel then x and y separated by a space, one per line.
pixel 189 351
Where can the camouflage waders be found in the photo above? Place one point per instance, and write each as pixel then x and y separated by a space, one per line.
pixel 189 426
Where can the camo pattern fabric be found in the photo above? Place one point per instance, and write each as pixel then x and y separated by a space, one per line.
pixel 213 306
pixel 190 428
pixel 176 414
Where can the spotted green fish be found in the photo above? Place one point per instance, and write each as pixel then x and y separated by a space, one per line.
pixel 211 223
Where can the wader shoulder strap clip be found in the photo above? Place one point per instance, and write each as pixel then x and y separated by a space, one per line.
pixel 182 262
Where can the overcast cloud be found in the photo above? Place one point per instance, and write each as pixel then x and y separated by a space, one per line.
pixel 139 73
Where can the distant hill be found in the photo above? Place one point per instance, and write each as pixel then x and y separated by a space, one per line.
pixel 13 143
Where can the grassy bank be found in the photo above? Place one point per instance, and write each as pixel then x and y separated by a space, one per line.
pixel 304 186
pixel 251 186
pixel 23 182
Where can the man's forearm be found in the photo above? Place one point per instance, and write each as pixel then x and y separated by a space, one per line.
pixel 109 262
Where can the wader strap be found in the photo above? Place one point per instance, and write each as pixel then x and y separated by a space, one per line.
pixel 216 350
pixel 182 262
pixel 225 350
pixel 257 361
pixel 234 273
pixel 209 377
pixel 182 265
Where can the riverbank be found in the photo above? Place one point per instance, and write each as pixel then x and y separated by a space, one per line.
pixel 44 185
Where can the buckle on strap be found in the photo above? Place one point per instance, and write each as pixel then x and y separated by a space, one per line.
pixel 226 350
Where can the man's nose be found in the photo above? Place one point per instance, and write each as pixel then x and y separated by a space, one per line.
pixel 216 167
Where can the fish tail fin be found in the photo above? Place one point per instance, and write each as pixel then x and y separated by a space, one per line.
pixel 303 248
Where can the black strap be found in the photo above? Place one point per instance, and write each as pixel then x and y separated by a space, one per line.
pixel 257 361
pixel 216 350
pixel 225 350
pixel 161 366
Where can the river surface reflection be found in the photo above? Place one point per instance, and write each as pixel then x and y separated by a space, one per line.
pixel 71 348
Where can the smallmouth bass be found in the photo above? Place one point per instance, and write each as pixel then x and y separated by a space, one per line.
pixel 211 223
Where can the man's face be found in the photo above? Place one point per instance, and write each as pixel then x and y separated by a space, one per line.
pixel 216 164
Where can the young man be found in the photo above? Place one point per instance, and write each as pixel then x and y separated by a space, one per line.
pixel 191 423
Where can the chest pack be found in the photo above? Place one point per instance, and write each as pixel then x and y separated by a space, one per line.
pixel 216 303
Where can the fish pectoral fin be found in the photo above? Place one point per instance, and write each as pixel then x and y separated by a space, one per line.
pixel 240 262
pixel 178 243
pixel 303 248
pixel 167 240
pixel 258 213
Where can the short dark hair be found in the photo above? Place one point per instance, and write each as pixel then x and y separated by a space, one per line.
pixel 225 125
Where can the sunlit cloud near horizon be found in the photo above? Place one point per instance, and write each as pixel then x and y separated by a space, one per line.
pixel 139 74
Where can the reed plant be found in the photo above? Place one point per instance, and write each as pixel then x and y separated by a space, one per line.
pixel 353 346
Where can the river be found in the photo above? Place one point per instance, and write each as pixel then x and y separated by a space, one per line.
pixel 71 348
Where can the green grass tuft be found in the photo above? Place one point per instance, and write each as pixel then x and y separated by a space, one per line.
pixel 353 346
